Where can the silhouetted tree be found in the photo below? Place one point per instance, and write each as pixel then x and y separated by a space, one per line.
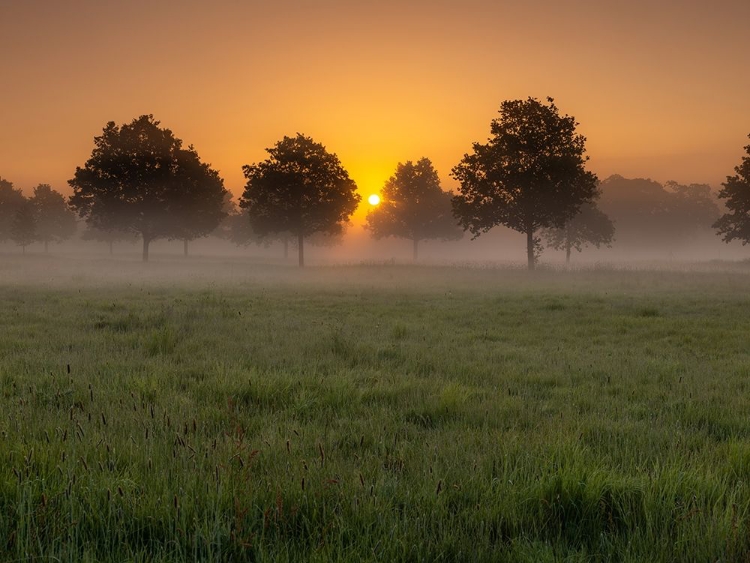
pixel 530 175
pixel 55 222
pixel 301 188
pixel 23 226
pixel 736 192
pixel 414 206
pixel 10 200
pixel 648 214
pixel 589 227
pixel 140 179
pixel 200 213
pixel 109 236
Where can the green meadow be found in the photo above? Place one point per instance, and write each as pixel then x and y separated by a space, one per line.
pixel 240 412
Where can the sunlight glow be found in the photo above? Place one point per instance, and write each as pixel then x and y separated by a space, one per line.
pixel 374 199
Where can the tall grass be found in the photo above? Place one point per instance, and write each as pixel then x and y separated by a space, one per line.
pixel 383 414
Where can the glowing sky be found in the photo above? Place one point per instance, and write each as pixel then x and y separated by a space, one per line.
pixel 661 89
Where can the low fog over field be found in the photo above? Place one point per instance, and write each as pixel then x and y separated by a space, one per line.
pixel 82 270
pixel 501 247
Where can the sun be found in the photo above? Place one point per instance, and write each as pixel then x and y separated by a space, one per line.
pixel 374 199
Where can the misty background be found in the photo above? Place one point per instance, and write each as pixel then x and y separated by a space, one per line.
pixel 654 224
pixel 657 89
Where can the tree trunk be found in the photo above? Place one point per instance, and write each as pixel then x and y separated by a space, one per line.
pixel 567 254
pixel 286 248
pixel 23 249
pixel 530 248
pixel 300 243
pixel 185 247
pixel 416 249
pixel 145 249
pixel 111 245
pixel 46 246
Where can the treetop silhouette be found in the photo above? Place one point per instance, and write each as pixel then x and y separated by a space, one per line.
pixel 414 206
pixel 140 179
pixel 300 188
pixel 531 174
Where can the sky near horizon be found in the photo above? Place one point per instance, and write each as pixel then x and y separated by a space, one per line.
pixel 661 89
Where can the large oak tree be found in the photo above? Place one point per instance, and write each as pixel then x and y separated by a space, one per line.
pixel 413 206
pixel 735 225
pixel 530 175
pixel 301 188
pixel 140 179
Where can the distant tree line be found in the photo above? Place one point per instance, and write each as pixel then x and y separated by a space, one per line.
pixel 44 217
pixel 530 176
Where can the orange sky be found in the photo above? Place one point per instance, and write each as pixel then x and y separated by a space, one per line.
pixel 661 89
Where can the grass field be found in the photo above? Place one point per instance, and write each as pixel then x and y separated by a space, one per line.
pixel 373 413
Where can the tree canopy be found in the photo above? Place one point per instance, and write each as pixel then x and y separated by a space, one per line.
pixel 531 174
pixel 140 179
pixel 414 206
pixel 301 188
pixel 10 200
pixel 735 225
pixel 55 222
pixel 590 226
